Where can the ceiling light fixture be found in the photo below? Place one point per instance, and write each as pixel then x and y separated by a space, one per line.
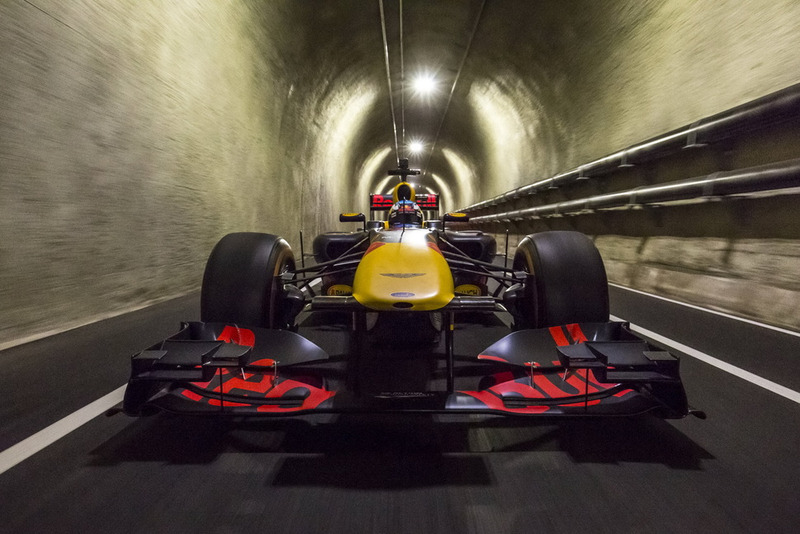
pixel 424 84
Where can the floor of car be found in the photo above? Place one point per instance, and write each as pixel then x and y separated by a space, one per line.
pixel 403 352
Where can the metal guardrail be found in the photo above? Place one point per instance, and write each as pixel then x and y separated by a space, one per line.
pixel 770 177
pixel 776 108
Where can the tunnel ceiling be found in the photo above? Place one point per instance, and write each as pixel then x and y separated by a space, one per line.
pixel 506 80
pixel 385 47
pixel 524 89
pixel 428 42
pixel 349 49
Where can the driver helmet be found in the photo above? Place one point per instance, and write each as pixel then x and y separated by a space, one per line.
pixel 405 214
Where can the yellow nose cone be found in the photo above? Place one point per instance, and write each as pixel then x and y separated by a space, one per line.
pixel 404 271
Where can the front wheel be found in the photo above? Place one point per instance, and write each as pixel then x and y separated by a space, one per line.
pixel 241 283
pixel 569 283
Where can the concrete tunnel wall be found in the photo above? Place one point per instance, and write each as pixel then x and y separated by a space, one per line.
pixel 134 135
pixel 549 85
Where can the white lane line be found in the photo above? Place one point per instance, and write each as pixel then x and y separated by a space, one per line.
pixel 708 310
pixel 30 446
pixel 47 436
pixel 769 385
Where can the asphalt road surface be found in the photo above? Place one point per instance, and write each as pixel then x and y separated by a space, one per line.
pixel 736 471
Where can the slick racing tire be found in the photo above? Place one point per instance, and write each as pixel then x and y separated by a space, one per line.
pixel 569 280
pixel 240 284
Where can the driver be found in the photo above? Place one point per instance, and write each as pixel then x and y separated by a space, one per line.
pixel 405 214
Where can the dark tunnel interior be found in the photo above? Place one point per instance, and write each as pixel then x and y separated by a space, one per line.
pixel 133 135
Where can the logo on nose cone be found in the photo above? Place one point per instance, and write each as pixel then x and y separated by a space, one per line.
pixel 402 275
pixel 403 294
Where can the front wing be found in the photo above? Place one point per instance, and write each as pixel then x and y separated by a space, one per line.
pixel 593 369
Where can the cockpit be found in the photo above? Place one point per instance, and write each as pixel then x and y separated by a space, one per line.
pixel 405 214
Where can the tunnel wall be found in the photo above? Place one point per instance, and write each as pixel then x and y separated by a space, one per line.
pixel 638 70
pixel 737 256
pixel 550 85
pixel 736 253
pixel 133 135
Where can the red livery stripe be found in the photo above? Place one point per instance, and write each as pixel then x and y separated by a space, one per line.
pixel 558 336
pixel 494 358
pixel 373 246
pixel 238 336
pixel 576 333
pixel 191 395
pixel 577 379
pixel 515 387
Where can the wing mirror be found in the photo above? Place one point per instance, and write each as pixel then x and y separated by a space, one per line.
pixel 352 217
pixel 455 217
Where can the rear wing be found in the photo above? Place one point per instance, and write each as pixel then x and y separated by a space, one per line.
pixel 380 202
pixel 427 201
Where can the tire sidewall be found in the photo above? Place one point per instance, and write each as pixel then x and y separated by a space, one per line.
pixel 570 283
pixel 240 284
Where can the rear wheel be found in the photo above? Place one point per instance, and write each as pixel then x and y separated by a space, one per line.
pixel 569 280
pixel 241 284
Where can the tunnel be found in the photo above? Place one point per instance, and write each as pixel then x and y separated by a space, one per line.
pixel 134 137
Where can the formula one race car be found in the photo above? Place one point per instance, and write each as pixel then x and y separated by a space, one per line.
pixel 405 315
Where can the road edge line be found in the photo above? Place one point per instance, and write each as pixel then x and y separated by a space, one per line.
pixel 769 385
pixel 47 436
